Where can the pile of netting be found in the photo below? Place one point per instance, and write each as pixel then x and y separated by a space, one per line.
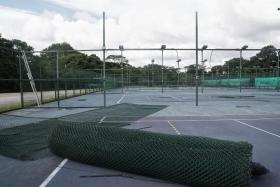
pixel 194 161
pixel 26 138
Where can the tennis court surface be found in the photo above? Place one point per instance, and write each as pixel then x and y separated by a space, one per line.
pixel 252 116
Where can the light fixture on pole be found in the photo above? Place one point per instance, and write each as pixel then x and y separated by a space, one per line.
pixel 240 65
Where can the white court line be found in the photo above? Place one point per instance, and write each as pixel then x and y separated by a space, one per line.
pixel 102 119
pixel 174 128
pixel 118 102
pixel 51 176
pixel 173 97
pixel 191 120
pixel 276 135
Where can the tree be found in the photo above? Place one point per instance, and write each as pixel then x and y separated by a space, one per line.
pixel 266 60
pixel 116 59
pixel 9 62
pixel 191 69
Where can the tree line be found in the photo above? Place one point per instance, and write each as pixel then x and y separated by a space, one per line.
pixel 74 64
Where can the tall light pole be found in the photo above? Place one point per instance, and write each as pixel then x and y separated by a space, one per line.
pixel 153 61
pixel 204 47
pixel 278 64
pixel 121 48
pixel 196 59
pixel 240 65
pixel 163 47
pixel 104 64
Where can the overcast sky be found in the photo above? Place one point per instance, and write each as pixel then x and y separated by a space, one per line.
pixel 144 23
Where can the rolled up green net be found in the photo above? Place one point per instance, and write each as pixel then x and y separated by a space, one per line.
pixel 189 160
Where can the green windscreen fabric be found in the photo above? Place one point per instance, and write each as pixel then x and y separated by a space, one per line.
pixel 245 82
pixel 267 82
pixel 189 160
pixel 29 141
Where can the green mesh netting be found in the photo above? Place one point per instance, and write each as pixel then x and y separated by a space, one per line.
pixel 124 113
pixel 29 140
pixel 267 82
pixel 194 161
pixel 245 82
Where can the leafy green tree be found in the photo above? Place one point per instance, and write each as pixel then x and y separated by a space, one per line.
pixel 9 62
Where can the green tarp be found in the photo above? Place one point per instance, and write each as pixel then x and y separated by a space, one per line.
pixel 267 82
pixel 245 82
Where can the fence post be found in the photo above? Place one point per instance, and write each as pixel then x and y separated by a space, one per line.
pixel 196 71
pixel 20 83
pixel 41 92
pixel 104 65
pixel 57 78
pixel 80 82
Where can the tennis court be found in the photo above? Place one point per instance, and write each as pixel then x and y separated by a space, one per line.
pixel 227 114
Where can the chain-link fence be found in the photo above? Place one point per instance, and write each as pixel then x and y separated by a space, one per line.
pixel 64 74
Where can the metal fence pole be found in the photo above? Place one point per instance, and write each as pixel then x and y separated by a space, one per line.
pixel 122 67
pixel 278 63
pixel 240 71
pixel 80 82
pixel 202 61
pixel 127 76
pixel 153 72
pixel 162 71
pixel 104 65
pixel 148 76
pixel 278 71
pixel 196 51
pixel 57 78
pixel 65 87
pixel 40 72
pixel 20 83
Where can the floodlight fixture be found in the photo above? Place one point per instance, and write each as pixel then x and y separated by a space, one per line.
pixel 163 47
pixel 204 47
pixel 278 9
pixel 244 47
pixel 121 47
pixel 179 60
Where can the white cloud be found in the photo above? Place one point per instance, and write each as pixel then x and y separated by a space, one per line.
pixel 149 23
